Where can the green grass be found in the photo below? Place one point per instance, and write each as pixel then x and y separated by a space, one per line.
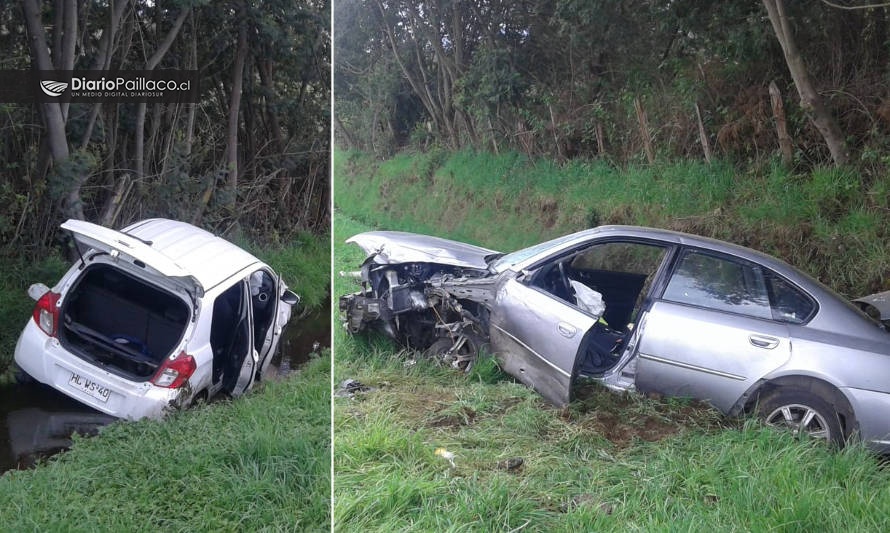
pixel 305 265
pixel 16 276
pixel 261 462
pixel 828 223
pixel 607 462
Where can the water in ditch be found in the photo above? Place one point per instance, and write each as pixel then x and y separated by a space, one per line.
pixel 37 422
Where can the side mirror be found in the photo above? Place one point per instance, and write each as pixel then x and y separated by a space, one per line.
pixel 37 290
pixel 290 297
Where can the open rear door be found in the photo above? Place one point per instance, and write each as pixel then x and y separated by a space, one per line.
pixel 240 368
pixel 537 337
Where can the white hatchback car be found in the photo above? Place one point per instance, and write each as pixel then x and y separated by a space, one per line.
pixel 154 317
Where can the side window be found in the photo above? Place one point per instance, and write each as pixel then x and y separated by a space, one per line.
pixel 263 299
pixel 629 257
pixel 720 283
pixel 606 280
pixel 789 304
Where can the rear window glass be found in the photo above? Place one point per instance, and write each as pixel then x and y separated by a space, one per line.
pixel 789 304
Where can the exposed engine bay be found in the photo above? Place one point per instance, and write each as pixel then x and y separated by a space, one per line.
pixel 440 309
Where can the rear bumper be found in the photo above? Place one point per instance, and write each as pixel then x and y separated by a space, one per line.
pixel 44 359
pixel 871 410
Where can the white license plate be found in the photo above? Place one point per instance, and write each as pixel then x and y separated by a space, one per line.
pixel 90 387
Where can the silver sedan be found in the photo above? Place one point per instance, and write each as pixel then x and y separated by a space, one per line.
pixel 639 309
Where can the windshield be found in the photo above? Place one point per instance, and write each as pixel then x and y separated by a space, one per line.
pixel 519 256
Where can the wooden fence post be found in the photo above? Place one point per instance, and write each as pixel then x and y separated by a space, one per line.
pixel 644 131
pixel 781 124
pixel 559 153
pixel 600 140
pixel 702 135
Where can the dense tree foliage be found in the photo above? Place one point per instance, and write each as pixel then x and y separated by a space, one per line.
pixel 602 78
pixel 252 155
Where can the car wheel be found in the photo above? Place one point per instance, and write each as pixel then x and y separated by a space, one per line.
pixel 802 413
pixel 200 399
pixel 460 354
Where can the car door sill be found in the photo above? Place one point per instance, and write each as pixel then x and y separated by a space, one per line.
pixel 692 367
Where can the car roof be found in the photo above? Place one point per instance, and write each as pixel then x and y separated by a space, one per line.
pixel 815 287
pixel 667 236
pixel 210 259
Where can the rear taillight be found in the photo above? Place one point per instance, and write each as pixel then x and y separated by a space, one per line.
pixel 46 313
pixel 174 372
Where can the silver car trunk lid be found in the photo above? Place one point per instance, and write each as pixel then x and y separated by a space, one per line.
pixel 402 247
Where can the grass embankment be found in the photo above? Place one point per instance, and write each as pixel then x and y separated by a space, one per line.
pixel 259 462
pixel 16 275
pixel 831 223
pixel 607 462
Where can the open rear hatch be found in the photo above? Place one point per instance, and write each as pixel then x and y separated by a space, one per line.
pixel 133 250
pixel 118 319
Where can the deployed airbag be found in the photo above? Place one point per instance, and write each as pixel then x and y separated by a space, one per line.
pixel 588 299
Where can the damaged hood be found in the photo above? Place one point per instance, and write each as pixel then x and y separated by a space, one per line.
pixel 401 247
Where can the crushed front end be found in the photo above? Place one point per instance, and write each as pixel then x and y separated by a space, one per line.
pixel 441 309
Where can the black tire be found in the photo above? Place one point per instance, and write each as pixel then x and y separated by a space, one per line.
pixel 437 348
pixel 786 408
pixel 200 399
pixel 468 352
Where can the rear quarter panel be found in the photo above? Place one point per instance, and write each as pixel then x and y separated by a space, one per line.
pixel 842 360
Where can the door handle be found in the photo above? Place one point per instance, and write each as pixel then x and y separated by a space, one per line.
pixel 566 330
pixel 763 341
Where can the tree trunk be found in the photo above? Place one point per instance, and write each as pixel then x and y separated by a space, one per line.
pixel 344 132
pixel 492 136
pixel 113 205
pixel 52 113
pixel 235 101
pixel 150 64
pixel 139 154
pixel 434 106
pixel 810 99
pixel 69 39
pixel 192 106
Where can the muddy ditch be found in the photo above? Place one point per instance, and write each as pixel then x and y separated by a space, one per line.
pixel 37 422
